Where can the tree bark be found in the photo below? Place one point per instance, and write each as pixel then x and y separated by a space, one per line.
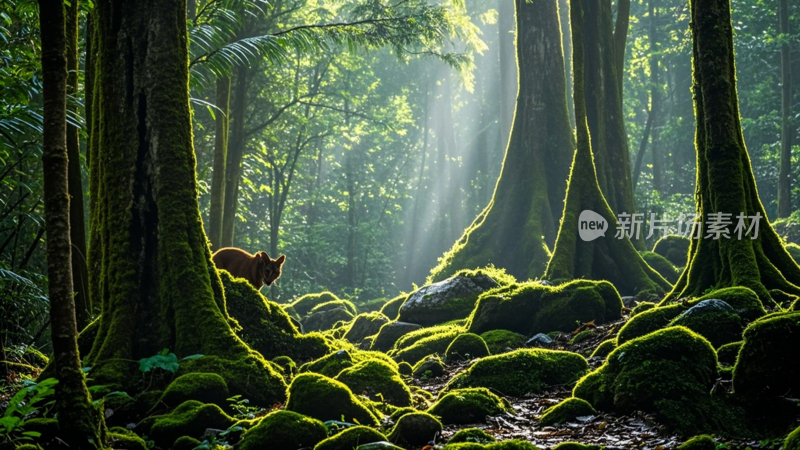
pixel 79 421
pixel 215 214
pixel 621 39
pixel 233 164
pixel 509 83
pixel 606 257
pixel 655 103
pixel 522 217
pixel 787 130
pixel 725 181
pixel 151 268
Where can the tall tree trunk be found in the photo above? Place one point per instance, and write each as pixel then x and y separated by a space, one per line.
pixel 216 210
pixel 655 103
pixel 725 181
pixel 605 257
pixel 79 421
pixel 151 268
pixel 513 230
pixel 621 39
pixel 787 128
pixel 508 71
pixel 77 223
pixel 233 163
pixel 566 45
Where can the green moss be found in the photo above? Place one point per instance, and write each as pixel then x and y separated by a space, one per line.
pixel 793 440
pixel 365 324
pixel 378 380
pixel 330 365
pixel 474 435
pixel 417 428
pixel 306 303
pixel 283 430
pixel 434 343
pixel 511 445
pixel 472 405
pixel 392 308
pixel 576 446
pixel 580 337
pixel 430 366
pixel 728 353
pixel 287 364
pixel 323 398
pixel 662 265
pixel 743 300
pixel 47 428
pixel 649 321
pixel 531 308
pixel 204 387
pixel 794 251
pixel 498 341
pixel 125 439
pixel 251 377
pixel 702 442
pixel 333 322
pixel 522 372
pixel 605 348
pixel 335 304
pixel 719 327
pixel 767 364
pixel 350 439
pixel 642 307
pixel 409 339
pixel 566 411
pixel 405 369
pixel 185 443
pixel 674 248
pixel 466 346
pixel 191 418
pixel 28 447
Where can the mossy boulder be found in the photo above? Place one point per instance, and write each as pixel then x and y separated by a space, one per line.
pixel 366 324
pixel 306 303
pixel 204 387
pixel 251 377
pixel 390 333
pixel 466 346
pixel 702 442
pixel 186 443
pixel 728 353
pixel 792 441
pixel 662 265
pixel 436 343
pixel 415 336
pixel 287 364
pixel 191 418
pixel 642 307
pixel 713 319
pixel 471 405
pixel 669 372
pixel 265 326
pixel 768 363
pixel 474 435
pixel 335 304
pixel 566 411
pixel 531 308
pixel 522 372
pixel 674 248
pixel 324 398
pixel 415 429
pixel 430 366
pixel 744 301
pixel 405 369
pixel 329 365
pixel 450 299
pixel 378 380
pixel 501 341
pixel 327 319
pixel 125 439
pixel 283 430
pixel 604 348
pixel 392 308
pixel 351 438
pixel 649 321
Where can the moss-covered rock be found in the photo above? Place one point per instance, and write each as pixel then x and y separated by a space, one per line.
pixel 435 343
pixel 329 365
pixel 283 430
pixel 204 387
pixel 405 369
pixel 501 341
pixel 306 303
pixel 576 446
pixel 531 308
pixel 390 333
pixel 604 348
pixel 470 405
pixel 392 308
pixel 474 435
pixel 728 353
pixel 351 438
pixel 328 320
pixel 702 442
pixel 125 439
pixel 430 366
pixel 288 366
pixel 673 248
pixel 642 307
pixel 446 300
pixel 669 372
pixel 417 428
pixel 378 380
pixel 265 326
pixel 252 377
pixel 324 398
pixel 191 418
pixel 566 411
pixel 714 320
pixel 366 324
pixel 466 346
pixel 768 364
pixel 335 304
pixel 185 443
pixel 792 441
pixel 794 251
pixel 662 265
pixel 522 371
pixel 744 301
pixel 409 339
pixel 649 321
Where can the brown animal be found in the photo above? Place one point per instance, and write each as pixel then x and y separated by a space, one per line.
pixel 258 269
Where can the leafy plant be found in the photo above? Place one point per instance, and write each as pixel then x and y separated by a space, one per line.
pixel 22 406
pixel 243 408
pixel 165 360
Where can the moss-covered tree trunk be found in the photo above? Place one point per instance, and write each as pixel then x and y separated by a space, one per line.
pixel 725 182
pixel 236 148
pixel 604 258
pixel 522 217
pixel 151 268
pixel 216 210
pixel 79 421
pixel 77 227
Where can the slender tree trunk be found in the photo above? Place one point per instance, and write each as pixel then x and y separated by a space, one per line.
pixel 79 421
pixel 236 147
pixel 566 44
pixel 655 103
pixel 621 39
pixel 215 214
pixel 80 276
pixel 509 83
pixel 787 128
pixel 637 168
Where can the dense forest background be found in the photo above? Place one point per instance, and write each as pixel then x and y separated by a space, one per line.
pixel 364 165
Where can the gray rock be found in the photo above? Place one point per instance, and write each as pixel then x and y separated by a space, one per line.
pixel 390 333
pixel 450 299
pixel 365 325
pixel 540 340
pixel 629 302
pixel 709 306
pixel 325 320
pixel 433 364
